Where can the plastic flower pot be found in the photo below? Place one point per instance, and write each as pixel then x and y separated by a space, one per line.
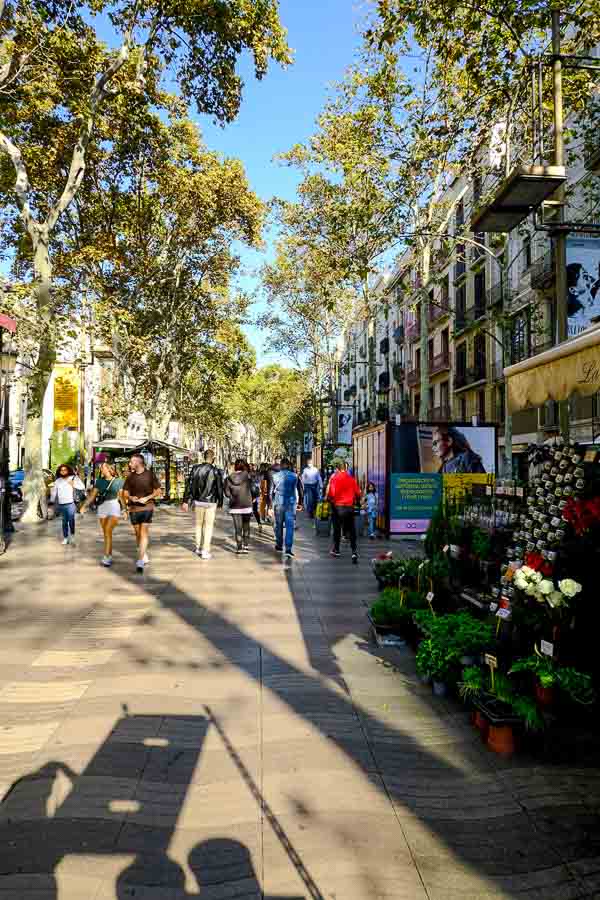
pixel 501 739
pixel 481 724
pixel 440 688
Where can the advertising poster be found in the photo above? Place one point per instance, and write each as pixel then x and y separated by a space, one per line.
pixel 583 282
pixel 445 457
pixel 345 424
pixel 414 499
pixel 370 464
pixel 66 398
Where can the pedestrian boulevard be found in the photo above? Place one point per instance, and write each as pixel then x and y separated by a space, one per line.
pixel 225 729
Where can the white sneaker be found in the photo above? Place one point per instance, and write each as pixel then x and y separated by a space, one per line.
pixel 139 566
pixel 204 554
pixel 65 541
pixel 107 561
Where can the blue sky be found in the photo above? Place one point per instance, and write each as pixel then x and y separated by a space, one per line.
pixel 280 110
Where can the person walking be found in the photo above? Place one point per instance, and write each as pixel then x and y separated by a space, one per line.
pixel 256 479
pixel 372 509
pixel 263 504
pixel 64 493
pixel 343 492
pixel 287 495
pixel 204 491
pixel 313 487
pixel 140 490
pixel 238 489
pixel 106 493
pixel 271 472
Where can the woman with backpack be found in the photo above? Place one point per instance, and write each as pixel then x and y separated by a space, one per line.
pixel 67 491
pixel 106 495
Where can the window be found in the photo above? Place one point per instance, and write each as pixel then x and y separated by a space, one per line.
pixel 460 266
pixel 445 293
pixel 445 342
pixel 418 360
pixel 476 187
pixel 444 396
pixel 430 353
pixel 520 339
pixel 461 360
pixel 461 301
pixel 479 286
pixel 463 409
pixel 481 405
pixel 527 253
pixel 479 354
pixel 417 404
pixel 459 218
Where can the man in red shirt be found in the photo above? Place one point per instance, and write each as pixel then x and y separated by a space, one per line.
pixel 343 492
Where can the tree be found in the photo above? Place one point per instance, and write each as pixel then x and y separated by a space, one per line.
pixel 57 79
pixel 308 312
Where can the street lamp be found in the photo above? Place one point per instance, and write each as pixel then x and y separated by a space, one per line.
pixel 8 358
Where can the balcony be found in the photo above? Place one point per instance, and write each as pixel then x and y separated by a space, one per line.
pixel 384 346
pixel 414 376
pixel 469 377
pixel 413 331
pixel 460 267
pixel 362 352
pixel 439 363
pixel 467 317
pixel 497 371
pixel 350 392
pixel 440 414
pixel 398 335
pixel 438 310
pixel 383 412
pixel 398 371
pixel 363 382
pixel 497 295
pixel 542 271
pixel 383 382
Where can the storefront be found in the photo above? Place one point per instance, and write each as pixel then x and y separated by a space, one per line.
pixel 170 463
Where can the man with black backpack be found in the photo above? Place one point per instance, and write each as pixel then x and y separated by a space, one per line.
pixel 204 491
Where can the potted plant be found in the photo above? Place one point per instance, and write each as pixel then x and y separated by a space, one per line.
pixel 472 686
pixel 546 676
pixel 434 661
pixel 389 614
pixel 577 685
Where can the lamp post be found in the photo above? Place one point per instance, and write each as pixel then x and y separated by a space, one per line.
pixel 7 367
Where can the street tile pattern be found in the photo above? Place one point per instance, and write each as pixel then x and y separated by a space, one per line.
pixel 226 729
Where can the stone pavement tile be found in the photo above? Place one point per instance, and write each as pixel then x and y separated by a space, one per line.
pixel 58 795
pixel 574 830
pixel 48 887
pixel 41 845
pixel 359 855
pixel 314 753
pixel 209 686
pixel 339 790
pixel 25 738
pixel 219 803
pixel 175 765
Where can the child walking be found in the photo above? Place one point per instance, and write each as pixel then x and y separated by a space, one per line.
pixel 372 509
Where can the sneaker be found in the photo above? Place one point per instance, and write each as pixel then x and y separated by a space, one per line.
pixel 65 542
pixel 354 559
pixel 198 551
pixel 107 561
pixel 289 554
pixel 239 551
pixel 372 537
pixel 139 566
pixel 278 549
pixel 245 549
pixel 71 540
pixel 204 554
pixel 334 553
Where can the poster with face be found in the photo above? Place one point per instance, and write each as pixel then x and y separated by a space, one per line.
pixel 583 282
pixel 345 424
pixel 457 450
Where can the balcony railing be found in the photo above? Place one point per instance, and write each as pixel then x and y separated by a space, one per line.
pixel 413 377
pixel 413 331
pixel 460 267
pixel 438 310
pixel 440 414
pixel 542 271
pixel 439 363
pixel 398 335
pixel 398 371
pixel 384 346
pixel 498 294
pixel 469 376
pixel 467 317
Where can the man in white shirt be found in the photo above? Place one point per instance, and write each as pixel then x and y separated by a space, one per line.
pixel 313 487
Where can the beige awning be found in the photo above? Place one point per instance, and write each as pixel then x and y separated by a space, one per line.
pixel 571 368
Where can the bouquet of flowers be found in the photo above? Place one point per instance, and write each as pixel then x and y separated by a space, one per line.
pixel 543 590
pixel 582 514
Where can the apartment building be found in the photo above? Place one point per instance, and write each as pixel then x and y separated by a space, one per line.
pixel 491 303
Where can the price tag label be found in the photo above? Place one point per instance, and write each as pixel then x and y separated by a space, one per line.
pixel 493 606
pixel 503 613
pixel 547 648
pixel 446 548
pixel 488 490
pixel 422 564
pixel 491 661
pixel 520 492
pixel 430 597
pixel 499 490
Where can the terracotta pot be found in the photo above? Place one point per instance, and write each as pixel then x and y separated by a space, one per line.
pixel 501 739
pixel 481 724
pixel 544 695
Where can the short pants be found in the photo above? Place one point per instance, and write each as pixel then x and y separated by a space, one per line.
pixel 108 509
pixel 141 516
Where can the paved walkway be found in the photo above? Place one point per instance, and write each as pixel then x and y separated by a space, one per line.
pixel 224 730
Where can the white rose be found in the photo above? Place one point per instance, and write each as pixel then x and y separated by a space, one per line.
pixel 537 577
pixel 556 599
pixel 526 571
pixel 530 590
pixel 545 587
pixel 569 587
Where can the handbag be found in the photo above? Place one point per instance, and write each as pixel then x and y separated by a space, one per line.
pixel 100 498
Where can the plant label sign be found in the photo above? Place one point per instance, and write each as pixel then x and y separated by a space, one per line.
pixel 503 613
pixel 446 548
pixel 430 596
pixel 491 660
pixel 547 648
pixel 519 492
pixel 488 490
pixel 493 606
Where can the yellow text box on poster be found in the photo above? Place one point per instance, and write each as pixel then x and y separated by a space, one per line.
pixel 66 397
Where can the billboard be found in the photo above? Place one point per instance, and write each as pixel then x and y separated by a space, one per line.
pixel 430 459
pixel 66 397
pixel 345 424
pixel 583 282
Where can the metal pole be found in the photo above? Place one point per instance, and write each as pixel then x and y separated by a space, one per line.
pixel 560 237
